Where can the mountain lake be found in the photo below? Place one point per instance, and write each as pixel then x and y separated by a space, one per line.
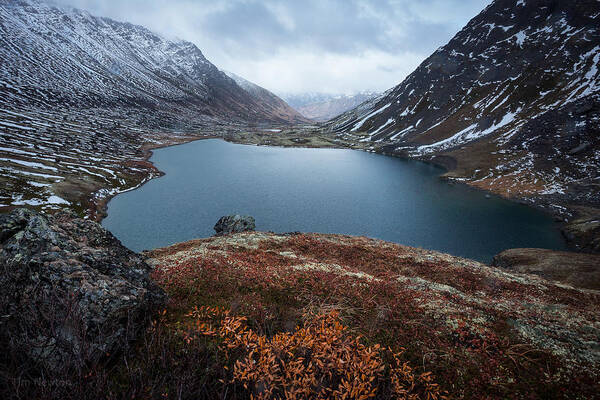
pixel 321 190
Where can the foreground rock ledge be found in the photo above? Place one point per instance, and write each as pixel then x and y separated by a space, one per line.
pixel 576 269
pixel 454 295
pixel 70 293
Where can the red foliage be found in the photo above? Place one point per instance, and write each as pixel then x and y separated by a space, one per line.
pixel 274 291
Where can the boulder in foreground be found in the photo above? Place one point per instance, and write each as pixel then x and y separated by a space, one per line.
pixel 234 224
pixel 70 293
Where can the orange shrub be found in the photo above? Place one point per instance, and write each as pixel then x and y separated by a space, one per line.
pixel 320 360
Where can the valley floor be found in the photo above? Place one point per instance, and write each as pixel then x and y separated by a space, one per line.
pixel 80 160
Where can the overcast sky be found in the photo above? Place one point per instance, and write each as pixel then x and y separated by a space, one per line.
pixel 333 46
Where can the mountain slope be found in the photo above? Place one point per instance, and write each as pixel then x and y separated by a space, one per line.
pixel 53 57
pixel 268 101
pixel 511 102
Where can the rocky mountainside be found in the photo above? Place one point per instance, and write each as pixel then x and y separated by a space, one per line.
pixel 511 104
pixel 322 107
pixel 71 293
pixel 268 100
pixel 68 58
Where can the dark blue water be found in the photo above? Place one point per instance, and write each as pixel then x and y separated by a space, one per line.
pixel 320 190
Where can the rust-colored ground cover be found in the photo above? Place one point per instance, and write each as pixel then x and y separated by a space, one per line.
pixel 474 330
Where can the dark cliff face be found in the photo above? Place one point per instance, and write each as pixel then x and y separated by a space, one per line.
pixel 70 292
pixel 54 57
pixel 513 98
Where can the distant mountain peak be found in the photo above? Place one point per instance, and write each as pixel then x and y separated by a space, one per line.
pixel 324 106
pixel 268 100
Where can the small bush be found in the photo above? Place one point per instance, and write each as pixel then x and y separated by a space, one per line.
pixel 319 360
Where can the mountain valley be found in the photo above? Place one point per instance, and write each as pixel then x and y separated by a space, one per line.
pixel 322 107
pixel 509 107
pixel 83 98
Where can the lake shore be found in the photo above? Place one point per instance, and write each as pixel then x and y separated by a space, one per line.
pixel 321 190
pixel 580 223
pixel 99 205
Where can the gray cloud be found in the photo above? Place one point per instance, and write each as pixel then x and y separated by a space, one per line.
pixel 339 46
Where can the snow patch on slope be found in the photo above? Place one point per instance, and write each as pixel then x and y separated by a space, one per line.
pixel 360 123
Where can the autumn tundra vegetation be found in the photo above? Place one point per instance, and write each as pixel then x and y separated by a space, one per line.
pixel 327 316
pixel 305 316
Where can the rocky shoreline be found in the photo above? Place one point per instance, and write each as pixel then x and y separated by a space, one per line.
pixel 579 223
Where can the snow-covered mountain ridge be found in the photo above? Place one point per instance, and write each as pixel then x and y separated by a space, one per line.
pixel 54 57
pixel 328 109
pixel 268 100
pixel 511 104
pixel 322 107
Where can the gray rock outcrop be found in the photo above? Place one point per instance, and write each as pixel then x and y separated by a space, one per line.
pixel 70 293
pixel 234 224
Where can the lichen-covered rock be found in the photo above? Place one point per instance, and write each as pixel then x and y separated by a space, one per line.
pixel 234 224
pixel 70 293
